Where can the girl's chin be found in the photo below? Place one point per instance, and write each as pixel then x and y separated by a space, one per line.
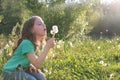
pixel 43 35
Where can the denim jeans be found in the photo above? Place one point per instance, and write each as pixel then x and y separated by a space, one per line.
pixel 23 75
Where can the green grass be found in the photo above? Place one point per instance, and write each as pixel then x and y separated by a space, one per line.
pixel 77 60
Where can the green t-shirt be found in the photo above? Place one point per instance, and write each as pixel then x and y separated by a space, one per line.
pixel 19 57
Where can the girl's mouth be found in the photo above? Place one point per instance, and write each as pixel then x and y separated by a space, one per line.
pixel 44 29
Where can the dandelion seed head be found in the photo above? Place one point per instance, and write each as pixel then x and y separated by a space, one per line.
pixel 98 47
pixel 50 72
pixel 71 44
pixel 53 55
pixel 55 29
pixel 51 32
pixel 61 42
pixel 101 32
pixel 0 51
pixel 111 76
pixel 6 46
pixel 106 30
pixel 46 70
pixel 101 62
pixel 105 64
pixel 58 46
pixel 119 47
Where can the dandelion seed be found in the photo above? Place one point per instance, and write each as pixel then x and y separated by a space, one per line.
pixel 10 54
pixel 50 72
pixel 110 41
pixel 101 62
pixel 98 47
pixel 111 76
pixel 0 51
pixel 58 46
pixel 47 6
pixel 105 64
pixel 106 30
pixel 113 47
pixel 53 55
pixel 71 44
pixel 7 46
pixel 46 70
pixel 101 33
pixel 118 46
pixel 61 42
pixel 54 30
pixel 117 39
pixel 46 57
pixel 11 43
pixel 51 32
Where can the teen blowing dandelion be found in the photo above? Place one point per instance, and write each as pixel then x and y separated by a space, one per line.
pixel 30 52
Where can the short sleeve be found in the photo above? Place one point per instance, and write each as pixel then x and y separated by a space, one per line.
pixel 27 47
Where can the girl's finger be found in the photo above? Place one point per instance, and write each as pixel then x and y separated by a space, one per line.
pixel 30 69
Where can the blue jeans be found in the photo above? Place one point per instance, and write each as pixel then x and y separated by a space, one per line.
pixel 23 75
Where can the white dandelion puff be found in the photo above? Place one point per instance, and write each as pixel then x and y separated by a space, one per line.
pixel 46 70
pixel 111 76
pixel 54 30
pixel 51 32
pixel 11 43
pixel 98 47
pixel 71 44
pixel 105 64
pixel 101 62
pixel 7 46
pixel 0 51
pixel 53 55
pixel 58 46
pixel 50 72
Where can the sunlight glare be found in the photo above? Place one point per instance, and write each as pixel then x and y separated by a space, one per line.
pixel 106 1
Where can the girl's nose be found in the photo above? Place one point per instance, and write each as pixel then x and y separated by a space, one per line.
pixel 44 25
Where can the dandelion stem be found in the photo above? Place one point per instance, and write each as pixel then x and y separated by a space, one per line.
pixel 53 35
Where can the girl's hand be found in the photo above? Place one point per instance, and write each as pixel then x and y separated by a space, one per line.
pixel 50 42
pixel 33 69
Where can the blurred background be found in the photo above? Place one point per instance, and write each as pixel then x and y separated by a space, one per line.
pixel 91 17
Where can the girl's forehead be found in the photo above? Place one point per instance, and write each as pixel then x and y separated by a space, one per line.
pixel 38 19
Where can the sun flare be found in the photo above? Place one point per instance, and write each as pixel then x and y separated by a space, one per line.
pixel 106 1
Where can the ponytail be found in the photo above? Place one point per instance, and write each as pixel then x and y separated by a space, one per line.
pixel 19 41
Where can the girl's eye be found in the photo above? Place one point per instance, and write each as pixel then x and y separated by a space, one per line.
pixel 39 24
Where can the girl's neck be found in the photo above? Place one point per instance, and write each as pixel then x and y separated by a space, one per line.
pixel 39 40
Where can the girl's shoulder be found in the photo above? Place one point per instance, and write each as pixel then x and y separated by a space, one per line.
pixel 26 42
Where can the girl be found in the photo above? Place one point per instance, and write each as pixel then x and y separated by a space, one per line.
pixel 30 52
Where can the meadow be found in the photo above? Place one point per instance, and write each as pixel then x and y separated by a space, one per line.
pixel 84 59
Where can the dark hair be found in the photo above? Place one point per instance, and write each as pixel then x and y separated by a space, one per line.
pixel 26 31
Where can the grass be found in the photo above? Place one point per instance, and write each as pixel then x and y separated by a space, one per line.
pixel 86 59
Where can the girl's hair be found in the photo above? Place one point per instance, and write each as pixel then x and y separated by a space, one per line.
pixel 27 34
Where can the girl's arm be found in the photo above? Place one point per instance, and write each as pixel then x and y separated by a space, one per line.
pixel 37 61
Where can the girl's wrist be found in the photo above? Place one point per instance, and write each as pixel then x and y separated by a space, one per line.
pixel 47 46
pixel 46 49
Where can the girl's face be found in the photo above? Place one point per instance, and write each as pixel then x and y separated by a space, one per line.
pixel 39 28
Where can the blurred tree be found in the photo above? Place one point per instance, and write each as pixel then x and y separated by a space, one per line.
pixel 34 6
pixel 108 24
pixel 13 12
pixel 53 12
